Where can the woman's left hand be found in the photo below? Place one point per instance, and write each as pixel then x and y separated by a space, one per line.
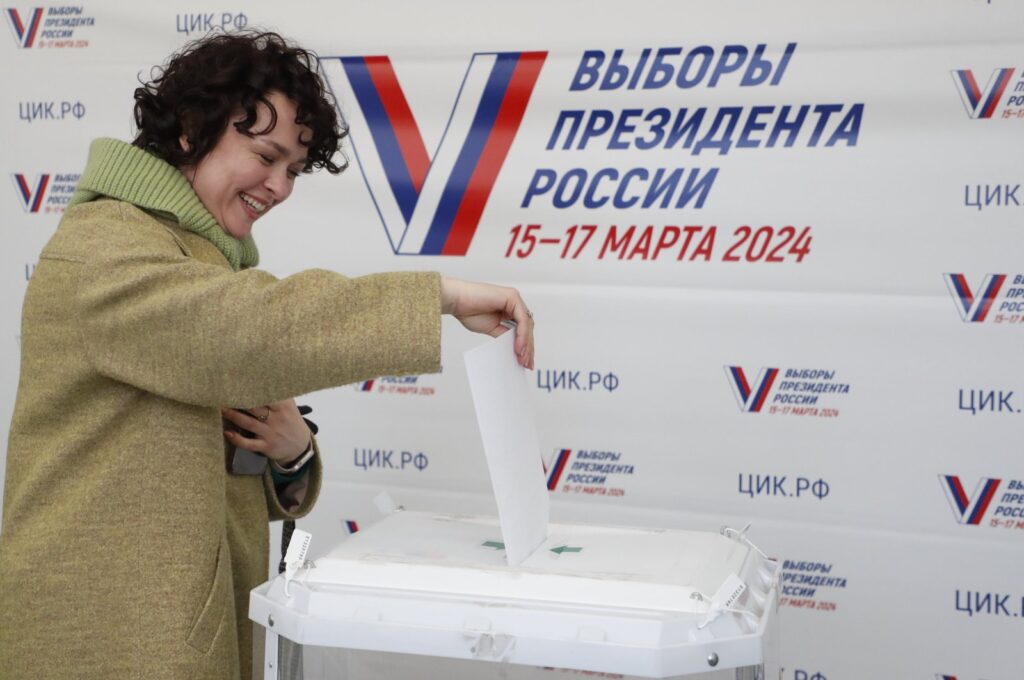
pixel 278 430
pixel 481 307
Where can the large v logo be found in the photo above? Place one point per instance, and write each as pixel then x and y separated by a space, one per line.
pixel 432 205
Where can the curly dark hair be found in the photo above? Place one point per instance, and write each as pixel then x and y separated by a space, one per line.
pixel 203 86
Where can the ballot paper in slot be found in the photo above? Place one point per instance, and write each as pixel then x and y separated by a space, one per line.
pixel 507 427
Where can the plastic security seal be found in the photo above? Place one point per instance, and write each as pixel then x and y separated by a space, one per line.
pixel 724 598
pixel 295 557
pixel 733 587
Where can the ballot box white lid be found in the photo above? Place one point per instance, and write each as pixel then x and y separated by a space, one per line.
pixel 644 602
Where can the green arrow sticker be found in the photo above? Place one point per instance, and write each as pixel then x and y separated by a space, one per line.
pixel 564 549
pixel 494 544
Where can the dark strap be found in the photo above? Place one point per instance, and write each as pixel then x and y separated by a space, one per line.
pixel 287 529
pixel 289 524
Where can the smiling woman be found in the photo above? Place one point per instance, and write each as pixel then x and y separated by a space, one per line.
pixel 153 349
pixel 246 174
pixel 244 132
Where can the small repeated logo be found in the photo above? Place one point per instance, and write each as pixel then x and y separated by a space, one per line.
pixel 592 472
pixel 981 103
pixel 46 193
pixel 974 308
pixel 48 27
pixel 999 298
pixel 351 526
pixel 969 509
pixel 998 99
pixel 790 391
pixel 24 28
pixel 405 385
pixel 432 205
pixel 751 400
pixel 31 197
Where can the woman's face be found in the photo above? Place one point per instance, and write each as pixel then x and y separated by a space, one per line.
pixel 244 176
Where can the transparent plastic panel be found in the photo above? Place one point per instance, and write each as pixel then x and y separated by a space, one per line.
pixel 297 662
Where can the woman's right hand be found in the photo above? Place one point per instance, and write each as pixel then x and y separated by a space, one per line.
pixel 278 431
pixel 481 307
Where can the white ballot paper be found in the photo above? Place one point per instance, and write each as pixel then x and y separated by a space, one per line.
pixel 500 391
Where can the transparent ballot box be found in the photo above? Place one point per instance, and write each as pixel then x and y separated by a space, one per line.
pixel 424 595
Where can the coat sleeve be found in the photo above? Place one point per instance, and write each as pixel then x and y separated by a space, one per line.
pixel 198 333
pixel 295 499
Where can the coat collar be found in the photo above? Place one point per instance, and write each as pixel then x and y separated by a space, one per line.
pixel 125 172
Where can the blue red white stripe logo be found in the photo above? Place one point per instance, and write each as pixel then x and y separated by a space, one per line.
pixel 751 396
pixel 365 386
pixel 939 676
pixel 557 467
pixel 24 29
pixel 969 509
pixel 31 198
pixel 432 205
pixel 981 103
pixel 974 308
pixel 351 527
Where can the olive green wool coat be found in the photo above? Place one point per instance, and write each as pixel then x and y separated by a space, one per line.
pixel 127 549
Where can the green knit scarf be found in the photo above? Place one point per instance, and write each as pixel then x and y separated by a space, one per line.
pixel 119 170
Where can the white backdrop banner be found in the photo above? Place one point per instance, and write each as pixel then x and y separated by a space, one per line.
pixel 774 251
